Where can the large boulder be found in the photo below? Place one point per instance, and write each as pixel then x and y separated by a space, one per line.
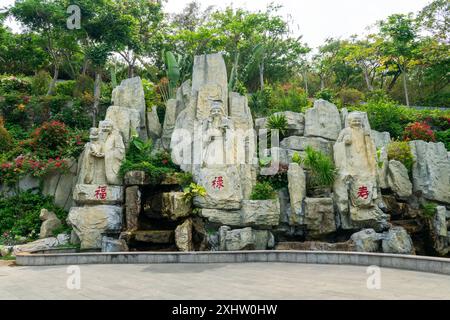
pixel 440 222
pixel 297 193
pixel 367 240
pixel 323 120
pixel 183 236
pixel 38 245
pixel 132 207
pixel 431 170
pixel 126 120
pixel 316 246
pixel 244 239
pixel 174 205
pixel 259 213
pixel 319 217
pixel 397 240
pixel 91 222
pixel 301 143
pixel 398 179
pixel 97 194
pixel 154 128
pixel 50 223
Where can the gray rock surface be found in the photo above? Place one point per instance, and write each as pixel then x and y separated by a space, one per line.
pixel 323 120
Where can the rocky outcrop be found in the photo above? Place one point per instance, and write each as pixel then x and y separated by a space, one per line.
pixel 244 239
pixel 38 245
pixel 367 240
pixel 50 223
pixel 398 179
pixel 397 240
pixel 323 120
pixel 90 223
pixel 174 205
pixel 297 193
pixel 431 170
pixel 127 121
pixel 183 236
pixel 132 207
pixel 97 194
pixel 319 217
pixel 316 246
pixel 114 245
pixel 260 213
pixel 301 143
pixel 295 123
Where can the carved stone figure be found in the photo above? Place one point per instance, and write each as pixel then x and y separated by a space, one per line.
pixel 356 188
pixel 92 163
pixel 114 150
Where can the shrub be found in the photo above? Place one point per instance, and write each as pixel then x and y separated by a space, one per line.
pixel 321 169
pixel 83 84
pixel 263 191
pixel 287 97
pixel 152 98
pixel 5 138
pixel 51 135
pixel 350 96
pixel 277 181
pixel 65 88
pixel 419 131
pixel 401 151
pixel 9 84
pixel 193 190
pixel 278 122
pixel 19 215
pixel 428 209
pixel 40 83
pixel 444 137
pixel 325 94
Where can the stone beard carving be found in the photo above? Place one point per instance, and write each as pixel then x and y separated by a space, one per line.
pixel 356 188
pixel 114 150
pixel 92 164
pixel 215 137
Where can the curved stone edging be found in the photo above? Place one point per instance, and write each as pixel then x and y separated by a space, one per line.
pixel 407 262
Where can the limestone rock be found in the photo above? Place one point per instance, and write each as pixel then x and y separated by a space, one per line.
pixel 130 94
pixel 183 236
pixel 132 207
pixel 397 240
pixel 316 246
pixel 5 250
pixel 323 120
pixel 169 123
pixel 301 143
pixel 297 193
pixel 260 213
pixel 90 223
pixel 114 245
pixel 174 205
pixel 440 223
pixel 223 188
pixel 367 240
pixel 319 217
pixel 240 112
pixel 431 170
pixel 381 139
pixel 154 128
pixel 50 223
pixel 398 179
pixel 244 239
pixel 136 178
pixel 209 70
pixel 38 245
pixel 127 121
pixel 98 194
pixel 63 239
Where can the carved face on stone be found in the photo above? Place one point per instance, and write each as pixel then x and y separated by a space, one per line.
pixel 355 120
pixel 106 126
pixel 216 109
pixel 93 134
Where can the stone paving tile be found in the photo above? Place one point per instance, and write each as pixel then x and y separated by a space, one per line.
pixel 219 281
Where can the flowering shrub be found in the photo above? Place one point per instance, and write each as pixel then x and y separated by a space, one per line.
pixel 12 83
pixel 419 131
pixel 5 138
pixel 12 171
pixel 401 151
pixel 51 135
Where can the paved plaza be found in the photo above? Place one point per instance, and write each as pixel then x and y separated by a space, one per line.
pixel 218 281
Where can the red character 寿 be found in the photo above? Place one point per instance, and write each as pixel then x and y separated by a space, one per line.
pixel 363 192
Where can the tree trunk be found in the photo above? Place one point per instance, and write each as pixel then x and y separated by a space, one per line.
pixel 305 78
pixel 366 77
pixel 261 75
pixel 322 83
pixel 97 92
pixel 130 70
pixel 52 85
pixel 405 87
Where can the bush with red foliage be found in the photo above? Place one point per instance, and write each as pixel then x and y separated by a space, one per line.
pixel 419 131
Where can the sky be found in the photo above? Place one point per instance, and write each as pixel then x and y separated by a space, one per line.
pixel 315 20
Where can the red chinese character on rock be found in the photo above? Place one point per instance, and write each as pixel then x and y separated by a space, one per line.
pixel 217 183
pixel 363 192
pixel 100 193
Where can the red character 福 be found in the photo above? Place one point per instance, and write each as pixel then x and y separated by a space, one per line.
pixel 100 193
pixel 217 183
pixel 363 192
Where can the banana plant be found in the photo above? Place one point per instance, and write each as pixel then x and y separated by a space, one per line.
pixel 172 72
